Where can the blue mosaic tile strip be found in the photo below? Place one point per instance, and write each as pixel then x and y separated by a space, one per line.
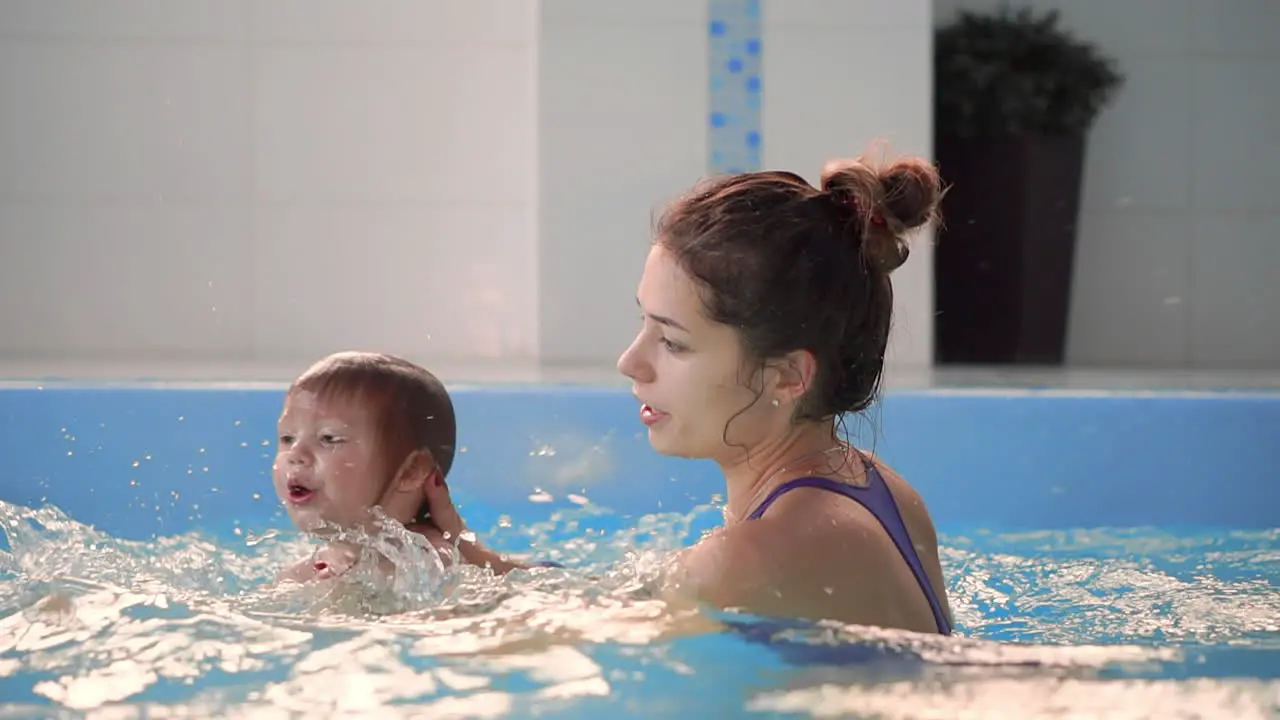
pixel 734 143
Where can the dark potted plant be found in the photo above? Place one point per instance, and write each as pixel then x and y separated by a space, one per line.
pixel 1014 98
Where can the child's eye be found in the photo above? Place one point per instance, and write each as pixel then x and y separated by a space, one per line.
pixel 330 439
pixel 286 439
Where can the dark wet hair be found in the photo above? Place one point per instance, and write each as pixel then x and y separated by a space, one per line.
pixel 412 408
pixel 794 267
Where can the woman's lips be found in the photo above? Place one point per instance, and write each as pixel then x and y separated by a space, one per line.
pixel 649 416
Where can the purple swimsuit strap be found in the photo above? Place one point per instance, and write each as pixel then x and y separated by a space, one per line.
pixel 878 500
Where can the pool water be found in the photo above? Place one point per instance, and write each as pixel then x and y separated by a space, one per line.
pixel 1145 622
pixel 1102 563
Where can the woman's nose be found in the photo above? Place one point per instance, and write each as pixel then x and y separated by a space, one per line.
pixel 632 365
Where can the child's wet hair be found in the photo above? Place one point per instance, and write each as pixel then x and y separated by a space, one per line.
pixel 412 408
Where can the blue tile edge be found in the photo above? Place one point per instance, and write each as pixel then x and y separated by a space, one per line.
pixel 734 86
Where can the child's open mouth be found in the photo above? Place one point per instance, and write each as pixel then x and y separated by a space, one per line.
pixel 299 494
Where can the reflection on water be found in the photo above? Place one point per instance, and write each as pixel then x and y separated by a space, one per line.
pixel 1098 624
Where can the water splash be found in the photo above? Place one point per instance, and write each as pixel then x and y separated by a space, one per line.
pixel 1053 624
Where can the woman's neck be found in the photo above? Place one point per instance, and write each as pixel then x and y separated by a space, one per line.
pixel 768 465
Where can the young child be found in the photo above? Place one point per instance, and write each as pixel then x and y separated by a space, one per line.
pixel 363 430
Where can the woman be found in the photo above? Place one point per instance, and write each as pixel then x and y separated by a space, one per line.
pixel 766 306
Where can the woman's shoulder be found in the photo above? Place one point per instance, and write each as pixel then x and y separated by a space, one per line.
pixel 761 568
pixel 911 506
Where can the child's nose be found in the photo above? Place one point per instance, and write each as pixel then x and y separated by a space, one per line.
pixel 300 454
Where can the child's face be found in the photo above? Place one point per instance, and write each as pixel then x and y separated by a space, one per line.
pixel 329 465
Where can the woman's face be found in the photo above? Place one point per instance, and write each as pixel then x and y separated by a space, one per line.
pixel 690 373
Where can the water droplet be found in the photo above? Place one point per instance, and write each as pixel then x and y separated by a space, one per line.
pixel 181 418
pixel 201 451
pixel 540 496
pixel 257 496
pixel 577 499
pixel 543 451
pixel 136 463
pixel 236 423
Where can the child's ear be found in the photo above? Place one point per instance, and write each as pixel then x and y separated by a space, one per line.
pixel 417 470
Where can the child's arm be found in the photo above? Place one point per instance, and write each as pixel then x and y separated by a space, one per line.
pixel 298 572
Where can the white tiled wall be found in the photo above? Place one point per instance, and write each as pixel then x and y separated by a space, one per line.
pixel 1180 233
pixel 839 74
pixel 622 125
pixel 234 180
pixel 264 181
pixel 231 181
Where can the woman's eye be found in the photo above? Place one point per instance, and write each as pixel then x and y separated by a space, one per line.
pixel 673 346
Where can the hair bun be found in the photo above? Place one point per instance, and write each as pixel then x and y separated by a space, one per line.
pixel 890 201
pixel 910 192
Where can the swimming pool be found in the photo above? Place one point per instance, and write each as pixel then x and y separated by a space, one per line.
pixel 1108 555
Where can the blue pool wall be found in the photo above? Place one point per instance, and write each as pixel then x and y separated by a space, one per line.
pixel 141 461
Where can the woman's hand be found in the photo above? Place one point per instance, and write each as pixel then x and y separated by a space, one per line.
pixel 445 517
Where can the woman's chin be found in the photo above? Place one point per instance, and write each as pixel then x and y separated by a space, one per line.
pixel 666 443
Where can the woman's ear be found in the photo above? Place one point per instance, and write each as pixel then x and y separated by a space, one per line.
pixel 794 374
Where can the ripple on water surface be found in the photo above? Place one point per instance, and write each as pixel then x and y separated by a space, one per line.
pixel 1101 623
